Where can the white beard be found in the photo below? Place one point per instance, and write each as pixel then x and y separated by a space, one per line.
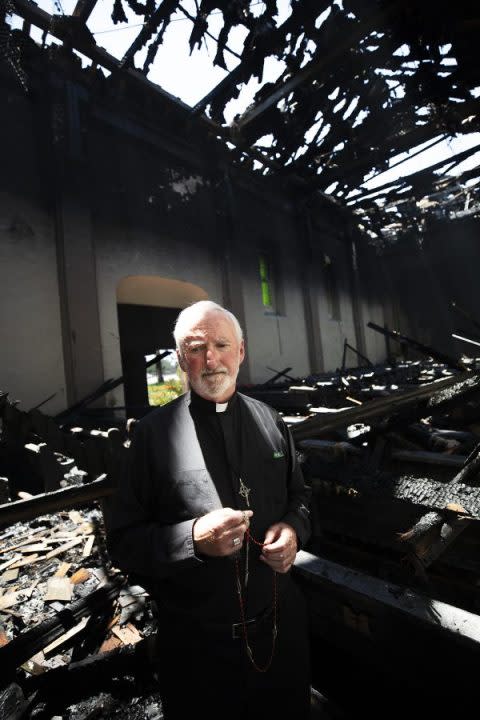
pixel 214 385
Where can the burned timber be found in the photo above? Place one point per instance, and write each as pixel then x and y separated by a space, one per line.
pixel 392 457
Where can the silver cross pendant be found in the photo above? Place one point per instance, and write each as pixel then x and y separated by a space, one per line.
pixel 244 492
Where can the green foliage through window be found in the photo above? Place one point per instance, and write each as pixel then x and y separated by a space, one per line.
pixel 265 282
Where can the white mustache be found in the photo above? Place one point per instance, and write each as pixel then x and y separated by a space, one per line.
pixel 209 373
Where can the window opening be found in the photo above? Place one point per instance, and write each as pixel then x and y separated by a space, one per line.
pixel 164 377
pixel 266 283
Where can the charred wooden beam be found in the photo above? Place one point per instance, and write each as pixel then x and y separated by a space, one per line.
pixel 48 23
pixel 470 341
pixel 83 9
pixel 425 349
pixel 148 29
pixel 284 88
pixel 24 646
pixel 463 627
pixel 380 408
pixel 381 491
pixel 448 533
pixel 278 375
pixel 92 670
pixel 22 510
pixel 347 346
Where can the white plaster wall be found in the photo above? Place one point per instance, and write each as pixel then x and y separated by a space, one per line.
pixel 31 354
pixel 333 333
pixel 275 341
pixel 376 349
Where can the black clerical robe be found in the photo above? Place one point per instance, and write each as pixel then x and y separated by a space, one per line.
pixel 187 459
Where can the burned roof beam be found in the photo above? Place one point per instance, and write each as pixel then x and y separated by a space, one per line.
pixel 420 174
pixel 231 79
pixel 420 347
pixel 83 9
pixel 207 33
pixel 312 68
pixel 380 408
pixel 159 16
pixel 48 23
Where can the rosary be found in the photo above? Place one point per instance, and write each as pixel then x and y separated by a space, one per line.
pixel 244 492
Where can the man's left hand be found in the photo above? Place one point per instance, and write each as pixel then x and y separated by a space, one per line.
pixel 280 547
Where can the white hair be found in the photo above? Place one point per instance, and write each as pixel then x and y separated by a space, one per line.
pixel 192 313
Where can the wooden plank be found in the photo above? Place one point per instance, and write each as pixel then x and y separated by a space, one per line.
pixel 66 636
pixel 129 634
pixel 9 575
pixel 62 569
pixel 27 541
pixel 10 562
pixel 58 588
pixel 63 548
pixel 36 547
pixel 87 550
pixel 10 599
pixel 25 645
pixel 36 505
pixel 27 560
pixel 82 575
pixel 112 643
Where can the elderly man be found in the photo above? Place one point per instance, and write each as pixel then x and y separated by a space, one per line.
pixel 209 518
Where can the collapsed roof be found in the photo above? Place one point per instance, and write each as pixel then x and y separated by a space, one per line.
pixel 360 83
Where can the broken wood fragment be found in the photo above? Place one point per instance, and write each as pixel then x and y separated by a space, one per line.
pixel 28 643
pixel 58 588
pixel 129 634
pixel 26 561
pixel 80 576
pixel 65 637
pixel 63 548
pixel 109 644
pixel 9 575
pixel 62 569
pixel 87 550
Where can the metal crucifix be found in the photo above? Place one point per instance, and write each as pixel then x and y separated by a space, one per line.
pixel 244 492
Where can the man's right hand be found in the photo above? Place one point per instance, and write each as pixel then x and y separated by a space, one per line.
pixel 221 532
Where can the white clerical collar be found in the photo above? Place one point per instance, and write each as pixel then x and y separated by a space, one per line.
pixel 221 407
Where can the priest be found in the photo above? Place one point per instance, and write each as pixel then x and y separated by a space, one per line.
pixel 209 518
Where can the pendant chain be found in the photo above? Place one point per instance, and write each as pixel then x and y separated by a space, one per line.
pixel 241 601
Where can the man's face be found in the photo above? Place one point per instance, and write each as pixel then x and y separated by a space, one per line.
pixel 211 355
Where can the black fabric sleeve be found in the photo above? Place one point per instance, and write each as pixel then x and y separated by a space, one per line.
pixel 137 540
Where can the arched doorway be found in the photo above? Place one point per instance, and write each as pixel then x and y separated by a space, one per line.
pixel 147 309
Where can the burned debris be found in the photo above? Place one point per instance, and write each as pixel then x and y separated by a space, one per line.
pixel 392 458
pixel 75 634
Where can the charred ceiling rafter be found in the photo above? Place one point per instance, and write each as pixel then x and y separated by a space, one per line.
pixel 363 82
pixel 83 9
pixel 422 177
